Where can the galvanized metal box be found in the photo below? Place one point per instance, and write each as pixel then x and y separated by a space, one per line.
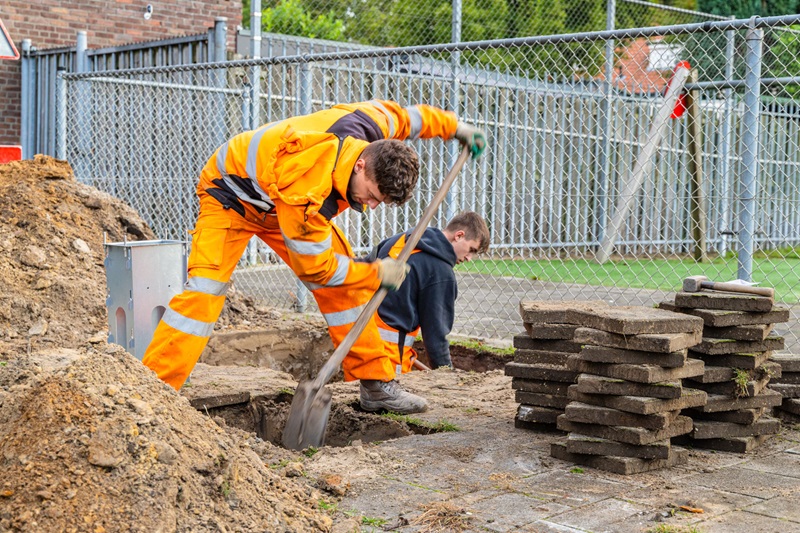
pixel 142 277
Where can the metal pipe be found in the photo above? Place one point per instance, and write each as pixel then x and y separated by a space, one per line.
pixel 27 103
pixel 751 124
pixel 604 157
pixel 725 148
pixel 61 115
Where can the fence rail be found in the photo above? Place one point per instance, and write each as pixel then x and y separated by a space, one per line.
pixel 564 140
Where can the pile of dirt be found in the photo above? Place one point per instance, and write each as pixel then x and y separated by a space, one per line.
pixel 90 440
pixel 52 278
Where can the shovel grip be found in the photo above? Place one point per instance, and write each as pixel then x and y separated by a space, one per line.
pixel 331 366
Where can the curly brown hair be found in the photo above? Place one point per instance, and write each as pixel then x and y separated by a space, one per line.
pixel 394 166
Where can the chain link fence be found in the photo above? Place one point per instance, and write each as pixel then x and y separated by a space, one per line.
pixel 566 138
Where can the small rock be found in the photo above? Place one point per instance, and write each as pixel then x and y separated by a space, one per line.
pixel 334 484
pixel 39 328
pixel 81 246
pixel 97 338
pixel 42 283
pixel 92 202
pixel 101 456
pixel 33 256
pixel 166 453
pixel 111 390
pixel 293 469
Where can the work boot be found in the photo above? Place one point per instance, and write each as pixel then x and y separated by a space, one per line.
pixel 377 395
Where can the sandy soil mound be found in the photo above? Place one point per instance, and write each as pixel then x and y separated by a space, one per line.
pixel 52 279
pixel 90 440
pixel 52 282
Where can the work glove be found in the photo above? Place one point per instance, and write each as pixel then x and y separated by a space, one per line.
pixel 392 273
pixel 472 138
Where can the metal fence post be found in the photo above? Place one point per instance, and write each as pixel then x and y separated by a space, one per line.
pixel 61 115
pixel 604 159
pixel 255 73
pixel 304 75
pixel 725 147
pixel 750 150
pixel 451 199
pixel 27 100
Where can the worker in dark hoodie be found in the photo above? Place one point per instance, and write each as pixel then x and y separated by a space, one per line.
pixel 426 300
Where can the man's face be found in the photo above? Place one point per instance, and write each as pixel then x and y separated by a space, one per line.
pixel 363 189
pixel 465 248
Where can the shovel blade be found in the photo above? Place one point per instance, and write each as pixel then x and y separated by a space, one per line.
pixel 308 417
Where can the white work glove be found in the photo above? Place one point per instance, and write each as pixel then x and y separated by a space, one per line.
pixel 472 138
pixel 392 273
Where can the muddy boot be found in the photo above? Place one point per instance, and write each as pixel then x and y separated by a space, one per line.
pixel 377 395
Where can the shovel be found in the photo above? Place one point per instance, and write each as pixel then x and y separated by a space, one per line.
pixel 311 406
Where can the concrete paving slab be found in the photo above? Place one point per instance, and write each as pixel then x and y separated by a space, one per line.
pixel 708 429
pixel 605 354
pixel 584 413
pixel 538 414
pixel 790 405
pixel 789 378
pixel 619 465
pixel 729 346
pixel 555 312
pixel 717 318
pixel 742 480
pixel 637 373
pixel 731 388
pixel 550 331
pixel 660 343
pixel 642 405
pixel 756 332
pixel 556 388
pixel 746 522
pixel 733 444
pixel 719 374
pixel 592 384
pixel 740 416
pixel 535 357
pixel 788 362
pixel 569 488
pixel 542 400
pixel 509 512
pixel 724 301
pixel 745 361
pixel 634 320
pixel 540 372
pixel 717 402
pixel 583 444
pixel 781 463
pixel 556 345
pixel 781 507
pixel 713 502
pixel 630 435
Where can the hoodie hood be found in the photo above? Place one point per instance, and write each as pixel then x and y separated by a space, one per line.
pixel 433 242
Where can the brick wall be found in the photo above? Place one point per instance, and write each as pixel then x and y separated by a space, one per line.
pixel 50 24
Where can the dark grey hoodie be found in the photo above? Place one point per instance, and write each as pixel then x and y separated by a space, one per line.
pixel 426 299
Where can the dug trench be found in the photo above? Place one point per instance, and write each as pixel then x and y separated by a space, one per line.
pixel 300 352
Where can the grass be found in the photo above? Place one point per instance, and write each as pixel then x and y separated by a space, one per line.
pixel 669 528
pixel 741 378
pixel 576 470
pixel 480 346
pixel 780 270
pixel 442 426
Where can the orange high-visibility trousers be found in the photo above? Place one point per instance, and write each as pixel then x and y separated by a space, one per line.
pixel 218 242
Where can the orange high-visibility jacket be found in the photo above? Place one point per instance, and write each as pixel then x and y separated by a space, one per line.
pixel 299 169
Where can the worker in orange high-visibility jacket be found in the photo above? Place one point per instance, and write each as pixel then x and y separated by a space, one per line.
pixel 285 182
pixel 425 302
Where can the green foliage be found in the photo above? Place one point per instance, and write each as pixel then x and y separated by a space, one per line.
pixel 480 346
pixel 372 521
pixel 442 426
pixel 292 17
pixel 311 451
pixel 669 528
pixel 576 470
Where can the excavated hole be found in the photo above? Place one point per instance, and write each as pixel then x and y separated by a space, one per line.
pixel 302 353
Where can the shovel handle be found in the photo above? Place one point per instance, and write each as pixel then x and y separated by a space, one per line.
pixel 331 366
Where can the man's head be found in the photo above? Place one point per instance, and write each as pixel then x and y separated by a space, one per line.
pixel 387 171
pixel 468 234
